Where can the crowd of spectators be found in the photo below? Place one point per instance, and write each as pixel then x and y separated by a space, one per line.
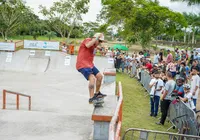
pixel 172 76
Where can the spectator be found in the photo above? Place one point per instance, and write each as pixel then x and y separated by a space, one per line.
pixel 148 54
pixel 127 62
pixel 156 85
pixel 195 84
pixel 188 97
pixel 182 71
pixel 183 55
pixel 145 54
pixel 196 56
pixel 166 97
pixel 64 48
pixel 148 65
pixel 161 55
pixel 177 56
pixel 169 57
pixel 156 58
pixel 123 61
pixel 195 64
pixel 172 68
pixel 178 91
pixel 191 58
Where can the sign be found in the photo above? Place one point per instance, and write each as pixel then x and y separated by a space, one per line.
pixel 47 53
pixel 32 53
pixel 9 55
pixel 8 59
pixel 45 45
pixel 67 60
pixel 5 46
pixel 110 61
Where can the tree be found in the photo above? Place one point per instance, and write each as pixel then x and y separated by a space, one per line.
pixel 65 14
pixel 142 20
pixel 11 16
pixel 193 21
pixel 50 34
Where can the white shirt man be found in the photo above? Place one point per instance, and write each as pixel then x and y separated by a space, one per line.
pixel 195 85
pixel 156 58
pixel 157 83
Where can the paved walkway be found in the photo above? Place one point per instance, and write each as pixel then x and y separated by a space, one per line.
pixel 60 108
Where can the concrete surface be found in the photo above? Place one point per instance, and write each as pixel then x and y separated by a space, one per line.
pixel 60 108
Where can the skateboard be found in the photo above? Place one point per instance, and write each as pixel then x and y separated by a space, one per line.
pixel 99 102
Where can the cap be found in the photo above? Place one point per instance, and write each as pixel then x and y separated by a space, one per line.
pixel 187 86
pixel 155 65
pixel 101 37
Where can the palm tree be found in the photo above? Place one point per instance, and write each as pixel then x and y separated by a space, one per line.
pixel 193 24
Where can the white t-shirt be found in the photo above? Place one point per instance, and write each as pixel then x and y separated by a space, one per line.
pixel 194 83
pixel 159 84
pixel 156 58
pixel 190 102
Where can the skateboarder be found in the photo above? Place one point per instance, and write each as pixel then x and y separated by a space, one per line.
pixel 86 66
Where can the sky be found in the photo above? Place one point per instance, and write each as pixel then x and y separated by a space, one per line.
pixel 95 7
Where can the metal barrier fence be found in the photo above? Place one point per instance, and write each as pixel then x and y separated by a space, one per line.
pixel 180 115
pixel 142 134
pixel 183 118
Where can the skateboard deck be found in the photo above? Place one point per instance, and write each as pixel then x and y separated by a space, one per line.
pixel 98 103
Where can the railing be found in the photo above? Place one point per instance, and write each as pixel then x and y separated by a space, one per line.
pixel 116 122
pixel 143 134
pixel 17 98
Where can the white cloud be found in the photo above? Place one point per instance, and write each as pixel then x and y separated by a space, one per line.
pixel 180 6
pixel 95 7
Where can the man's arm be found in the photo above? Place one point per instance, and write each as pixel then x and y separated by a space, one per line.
pixel 91 43
pixel 164 94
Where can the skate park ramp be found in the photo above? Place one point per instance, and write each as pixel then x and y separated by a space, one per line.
pixel 60 108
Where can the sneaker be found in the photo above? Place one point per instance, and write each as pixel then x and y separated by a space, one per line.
pixel 158 123
pixel 94 99
pixel 151 114
pixel 91 100
pixel 100 95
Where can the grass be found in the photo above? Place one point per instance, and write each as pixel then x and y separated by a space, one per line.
pixel 136 106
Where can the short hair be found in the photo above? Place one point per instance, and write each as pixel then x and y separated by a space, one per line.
pixel 157 72
pixel 169 74
pixel 183 63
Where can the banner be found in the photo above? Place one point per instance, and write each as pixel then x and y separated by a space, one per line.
pixel 4 46
pixel 46 45
pixel 110 60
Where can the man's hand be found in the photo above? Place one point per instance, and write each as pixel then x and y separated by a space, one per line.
pixel 193 93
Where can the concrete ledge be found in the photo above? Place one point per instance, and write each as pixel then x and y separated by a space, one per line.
pixel 109 88
pixel 102 117
pixel 109 75
pixel 106 112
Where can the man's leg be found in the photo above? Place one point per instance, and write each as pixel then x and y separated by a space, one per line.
pixel 195 102
pixel 166 104
pixel 91 84
pixel 157 100
pixel 99 78
pixel 152 106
